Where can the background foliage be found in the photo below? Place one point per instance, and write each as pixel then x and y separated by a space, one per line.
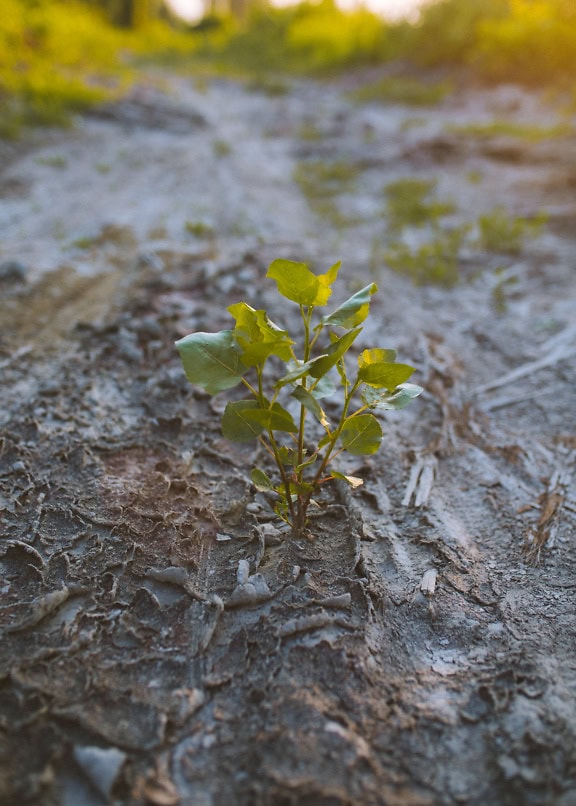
pixel 58 56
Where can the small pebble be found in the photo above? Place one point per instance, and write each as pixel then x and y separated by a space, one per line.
pixel 12 271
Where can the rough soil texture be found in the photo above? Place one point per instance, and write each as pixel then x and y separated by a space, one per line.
pixel 162 642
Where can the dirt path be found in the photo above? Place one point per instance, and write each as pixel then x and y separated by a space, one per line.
pixel 414 653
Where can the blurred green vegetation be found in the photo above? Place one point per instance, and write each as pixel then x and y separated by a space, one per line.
pixel 58 57
pixel 408 203
pixel 403 90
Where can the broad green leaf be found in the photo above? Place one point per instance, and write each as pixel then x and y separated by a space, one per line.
pixel 261 481
pixel 384 375
pixel 258 336
pixel 398 399
pixel 236 425
pixel 273 419
pixel 296 282
pixel 321 365
pixel 376 355
pixel 353 481
pixel 354 311
pixel 304 397
pixel 212 360
pixel 361 435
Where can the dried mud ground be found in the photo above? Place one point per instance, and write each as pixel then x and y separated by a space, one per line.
pixel 162 641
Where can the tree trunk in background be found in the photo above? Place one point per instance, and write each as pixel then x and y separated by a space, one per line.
pixel 128 13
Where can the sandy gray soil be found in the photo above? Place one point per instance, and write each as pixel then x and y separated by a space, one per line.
pixel 422 649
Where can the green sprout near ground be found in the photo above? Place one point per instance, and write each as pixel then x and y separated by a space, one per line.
pixel 322 182
pixel 199 229
pixel 303 446
pixel 501 232
pixel 408 204
pixel 526 133
pixel 401 90
pixel 431 263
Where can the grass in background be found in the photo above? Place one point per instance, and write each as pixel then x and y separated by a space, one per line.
pixel 500 232
pixel 431 263
pixel 401 90
pixel 322 182
pixel 408 204
pixel 519 131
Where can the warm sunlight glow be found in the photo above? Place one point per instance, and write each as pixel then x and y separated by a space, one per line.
pixel 392 9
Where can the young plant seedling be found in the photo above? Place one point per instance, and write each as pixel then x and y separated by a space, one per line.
pixel 309 372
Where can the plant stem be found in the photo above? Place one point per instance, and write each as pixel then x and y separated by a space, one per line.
pixel 304 501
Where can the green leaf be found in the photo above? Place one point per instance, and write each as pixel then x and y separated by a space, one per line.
pixel 354 311
pixel 308 463
pixel 321 365
pixel 309 402
pixel 296 372
pixel 258 336
pixel 361 435
pixel 296 282
pixel 385 375
pixel 288 456
pixel 353 481
pixel 261 481
pixel 237 425
pixel 324 387
pixel 211 360
pixel 376 355
pixel 326 281
pixel 398 399
pixel 275 418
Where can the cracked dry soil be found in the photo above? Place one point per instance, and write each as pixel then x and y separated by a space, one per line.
pixel 161 643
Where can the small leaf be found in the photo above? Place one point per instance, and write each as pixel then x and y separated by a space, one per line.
pixel 261 481
pixel 326 281
pixel 308 463
pixel 354 311
pixel 361 435
pixel 212 360
pixel 296 372
pixel 296 282
pixel 300 488
pixel 321 365
pixel 309 402
pixel 385 375
pixel 288 456
pixel 236 424
pixel 275 418
pixel 258 336
pixel 353 481
pixel 376 355
pixel 324 387
pixel 398 399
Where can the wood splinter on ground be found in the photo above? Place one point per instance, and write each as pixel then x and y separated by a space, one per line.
pixel 551 504
pixel 428 582
pixel 421 480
